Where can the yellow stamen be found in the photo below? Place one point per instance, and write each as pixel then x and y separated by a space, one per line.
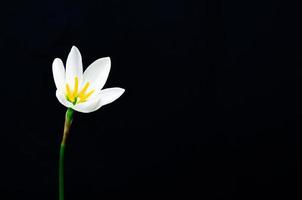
pixel 83 91
pixel 76 86
pixel 70 96
pixel 74 96
pixel 86 96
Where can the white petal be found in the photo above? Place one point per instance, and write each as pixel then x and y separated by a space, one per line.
pixel 110 94
pixel 62 99
pixel 89 106
pixel 74 66
pixel 97 73
pixel 58 72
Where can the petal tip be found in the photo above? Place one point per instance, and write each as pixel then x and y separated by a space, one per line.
pixel 109 95
pixel 56 60
pixel 107 59
pixel 122 90
pixel 75 49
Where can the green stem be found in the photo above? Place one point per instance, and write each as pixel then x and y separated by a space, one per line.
pixel 61 172
pixel 68 121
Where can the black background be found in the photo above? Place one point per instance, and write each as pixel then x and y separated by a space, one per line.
pixel 212 107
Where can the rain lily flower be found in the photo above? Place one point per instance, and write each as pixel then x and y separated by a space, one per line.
pixel 83 91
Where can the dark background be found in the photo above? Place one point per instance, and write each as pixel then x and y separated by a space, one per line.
pixel 212 107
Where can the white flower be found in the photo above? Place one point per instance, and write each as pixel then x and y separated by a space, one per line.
pixel 83 91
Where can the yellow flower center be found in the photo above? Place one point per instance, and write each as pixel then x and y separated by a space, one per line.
pixel 75 96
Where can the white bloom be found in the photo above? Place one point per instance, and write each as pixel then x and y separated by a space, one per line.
pixel 83 91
